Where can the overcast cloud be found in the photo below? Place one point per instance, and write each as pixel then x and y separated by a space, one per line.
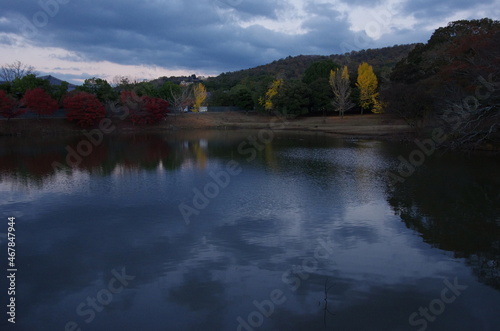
pixel 146 39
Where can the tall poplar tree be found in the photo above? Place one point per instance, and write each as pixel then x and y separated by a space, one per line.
pixel 367 84
pixel 200 95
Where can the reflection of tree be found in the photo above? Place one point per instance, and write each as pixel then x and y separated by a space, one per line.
pixel 26 161
pixel 31 160
pixel 199 153
pixel 455 205
pixel 270 156
pixel 487 268
pixel 141 151
pixel 172 160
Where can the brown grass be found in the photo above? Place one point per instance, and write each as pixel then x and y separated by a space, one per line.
pixel 378 125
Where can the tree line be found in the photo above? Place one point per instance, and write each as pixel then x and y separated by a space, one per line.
pixel 452 82
pixel 95 99
pixel 244 88
pixel 141 98
pixel 325 86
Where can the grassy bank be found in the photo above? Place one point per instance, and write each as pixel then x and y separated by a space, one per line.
pixel 354 125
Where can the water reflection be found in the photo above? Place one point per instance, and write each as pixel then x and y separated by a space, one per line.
pixel 454 204
pixel 118 208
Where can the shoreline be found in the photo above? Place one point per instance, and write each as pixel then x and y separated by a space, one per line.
pixel 381 126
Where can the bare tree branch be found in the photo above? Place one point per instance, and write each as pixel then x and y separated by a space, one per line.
pixel 9 72
pixel 341 88
pixel 180 100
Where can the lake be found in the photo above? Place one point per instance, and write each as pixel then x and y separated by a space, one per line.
pixel 257 230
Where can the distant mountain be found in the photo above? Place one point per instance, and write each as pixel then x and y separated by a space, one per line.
pixel 53 81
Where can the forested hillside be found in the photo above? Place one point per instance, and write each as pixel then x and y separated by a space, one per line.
pixel 452 84
pixel 244 88
pixel 382 59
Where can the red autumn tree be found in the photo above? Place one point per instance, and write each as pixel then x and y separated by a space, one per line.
pixel 156 109
pixel 39 102
pixel 84 108
pixel 8 107
pixel 145 109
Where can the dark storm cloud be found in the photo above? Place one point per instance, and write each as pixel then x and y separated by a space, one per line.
pixel 208 35
pixel 176 34
pixel 250 8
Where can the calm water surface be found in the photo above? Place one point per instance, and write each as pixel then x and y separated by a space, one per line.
pixel 220 231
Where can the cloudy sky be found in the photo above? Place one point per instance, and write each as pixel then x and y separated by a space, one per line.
pixel 78 39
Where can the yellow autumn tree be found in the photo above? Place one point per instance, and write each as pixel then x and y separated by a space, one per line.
pixel 200 95
pixel 367 84
pixel 267 102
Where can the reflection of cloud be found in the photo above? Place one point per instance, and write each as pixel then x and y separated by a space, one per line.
pixel 261 225
pixel 199 293
pixel 352 236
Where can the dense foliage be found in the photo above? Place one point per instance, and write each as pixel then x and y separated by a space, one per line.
pixel 100 88
pixel 452 82
pixel 316 77
pixel 293 98
pixel 83 108
pixel 367 84
pixel 313 70
pixel 39 102
pixel 143 109
pixel 8 107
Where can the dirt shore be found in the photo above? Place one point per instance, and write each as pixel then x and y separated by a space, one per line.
pixel 371 125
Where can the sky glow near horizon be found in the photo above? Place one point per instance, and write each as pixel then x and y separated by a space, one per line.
pixel 75 40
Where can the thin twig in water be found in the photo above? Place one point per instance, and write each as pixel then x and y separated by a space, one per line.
pixel 326 302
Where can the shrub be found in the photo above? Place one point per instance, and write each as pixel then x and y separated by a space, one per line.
pixel 39 102
pixel 83 108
